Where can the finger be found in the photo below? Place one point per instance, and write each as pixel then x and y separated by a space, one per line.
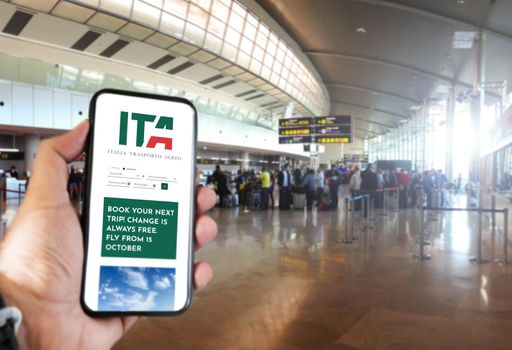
pixel 50 172
pixel 205 199
pixel 206 230
pixel 203 273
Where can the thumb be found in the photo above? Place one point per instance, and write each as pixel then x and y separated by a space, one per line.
pixel 48 184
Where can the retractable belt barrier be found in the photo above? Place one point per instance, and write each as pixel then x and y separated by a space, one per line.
pixel 385 196
pixel 478 258
pixel 366 206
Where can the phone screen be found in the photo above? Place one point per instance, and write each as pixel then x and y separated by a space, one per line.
pixel 139 207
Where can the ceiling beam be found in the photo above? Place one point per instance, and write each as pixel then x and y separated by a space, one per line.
pixel 368 131
pixel 390 64
pixel 435 16
pixel 386 126
pixel 393 114
pixel 373 91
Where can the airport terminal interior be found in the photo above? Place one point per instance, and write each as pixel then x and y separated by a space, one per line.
pixel 360 150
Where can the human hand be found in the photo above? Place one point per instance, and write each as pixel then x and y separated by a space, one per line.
pixel 42 255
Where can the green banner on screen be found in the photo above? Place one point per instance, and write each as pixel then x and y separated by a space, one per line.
pixel 134 228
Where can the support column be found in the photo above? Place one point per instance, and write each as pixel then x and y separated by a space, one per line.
pixel 31 144
pixel 477 104
pixel 450 132
pixel 245 160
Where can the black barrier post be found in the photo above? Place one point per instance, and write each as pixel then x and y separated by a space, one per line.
pixel 504 260
pixel 479 259
pixel 422 256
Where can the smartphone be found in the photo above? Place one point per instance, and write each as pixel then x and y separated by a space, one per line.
pixel 139 205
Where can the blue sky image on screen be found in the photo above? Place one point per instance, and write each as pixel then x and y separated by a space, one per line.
pixel 136 289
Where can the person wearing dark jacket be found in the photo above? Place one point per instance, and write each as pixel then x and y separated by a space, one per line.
pixel 222 185
pixel 369 184
pixel 284 180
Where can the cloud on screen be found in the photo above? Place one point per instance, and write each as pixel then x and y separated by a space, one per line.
pixel 133 288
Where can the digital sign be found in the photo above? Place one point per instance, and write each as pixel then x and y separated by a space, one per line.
pixel 294 122
pixel 334 139
pixel 323 129
pixel 335 120
pixel 294 139
pixel 333 130
pixel 301 131
pixel 12 155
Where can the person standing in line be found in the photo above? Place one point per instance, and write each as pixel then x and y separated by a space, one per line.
pixel 272 187
pixel 354 186
pixel 222 184
pixel 14 172
pixel 381 183
pixel 369 183
pixel 73 183
pixel 309 187
pixel 265 187
pixel 403 184
pixel 319 185
pixel 240 182
pixel 334 184
pixel 428 186
pixel 284 182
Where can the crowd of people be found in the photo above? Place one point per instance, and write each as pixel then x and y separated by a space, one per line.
pixel 297 187
pixel 375 181
pixel 301 187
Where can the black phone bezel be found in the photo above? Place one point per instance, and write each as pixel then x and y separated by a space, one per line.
pixel 85 216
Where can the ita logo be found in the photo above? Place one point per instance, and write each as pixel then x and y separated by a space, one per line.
pixel 139 120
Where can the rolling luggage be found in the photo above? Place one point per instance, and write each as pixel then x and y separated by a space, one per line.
pixel 299 201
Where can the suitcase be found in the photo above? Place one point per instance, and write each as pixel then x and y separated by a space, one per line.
pixel 299 201
pixel 256 199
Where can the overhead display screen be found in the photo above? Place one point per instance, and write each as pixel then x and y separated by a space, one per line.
pixel 295 139
pixel 323 129
pixel 334 139
pixel 296 131
pixel 337 120
pixel 294 122
pixel 333 130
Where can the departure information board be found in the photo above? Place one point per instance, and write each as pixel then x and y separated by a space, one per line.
pixel 295 122
pixel 294 139
pixel 324 129
pixel 301 131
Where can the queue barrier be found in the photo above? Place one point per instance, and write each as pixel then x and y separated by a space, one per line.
pixel 478 258
pixel 366 206
pixel 396 204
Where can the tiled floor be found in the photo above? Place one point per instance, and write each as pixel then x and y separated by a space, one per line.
pixel 283 281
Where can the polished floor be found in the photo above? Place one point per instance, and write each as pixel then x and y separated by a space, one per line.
pixel 284 281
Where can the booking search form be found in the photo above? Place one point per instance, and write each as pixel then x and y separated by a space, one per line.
pixel 140 204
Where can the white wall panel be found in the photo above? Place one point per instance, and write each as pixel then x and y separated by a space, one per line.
pixel 62 109
pixel 79 104
pixel 43 107
pixel 6 98
pixel 22 104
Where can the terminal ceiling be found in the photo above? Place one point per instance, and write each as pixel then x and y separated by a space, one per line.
pixel 74 27
pixel 380 59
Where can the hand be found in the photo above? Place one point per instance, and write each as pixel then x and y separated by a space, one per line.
pixel 41 258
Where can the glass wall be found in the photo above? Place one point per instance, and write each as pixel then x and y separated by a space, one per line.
pixel 227 29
